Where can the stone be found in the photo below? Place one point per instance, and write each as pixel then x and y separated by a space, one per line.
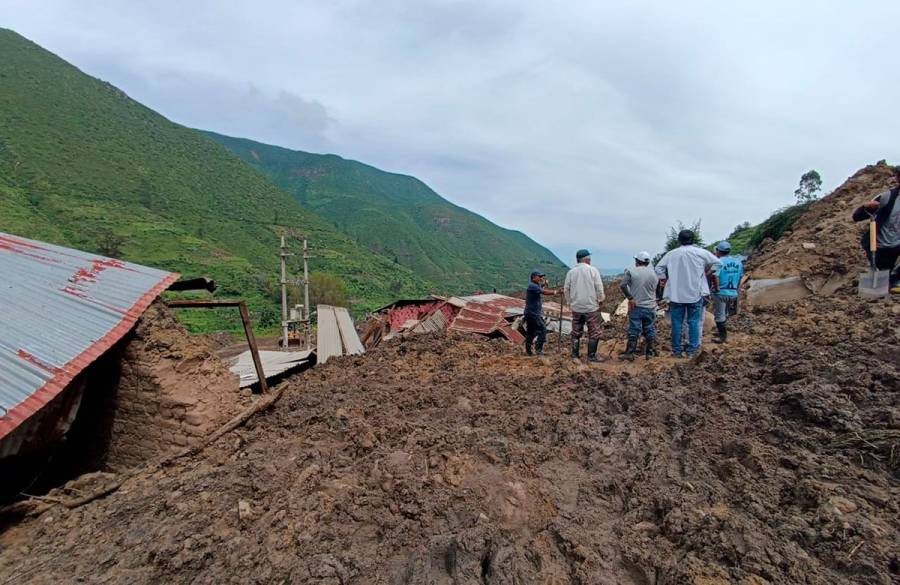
pixel 808 246
pixel 771 291
pixel 245 511
pixel 843 505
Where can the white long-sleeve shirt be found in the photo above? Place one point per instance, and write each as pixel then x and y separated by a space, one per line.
pixel 584 288
pixel 686 269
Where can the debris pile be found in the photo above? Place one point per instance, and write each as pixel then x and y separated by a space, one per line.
pixel 490 315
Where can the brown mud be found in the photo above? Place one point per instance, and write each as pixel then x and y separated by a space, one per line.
pixel 444 459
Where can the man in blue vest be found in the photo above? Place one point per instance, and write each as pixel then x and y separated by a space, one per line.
pixel 731 271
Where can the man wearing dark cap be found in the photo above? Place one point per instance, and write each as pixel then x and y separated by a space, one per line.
pixel 684 271
pixel 584 289
pixel 535 329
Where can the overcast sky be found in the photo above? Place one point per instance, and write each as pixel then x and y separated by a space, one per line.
pixel 585 124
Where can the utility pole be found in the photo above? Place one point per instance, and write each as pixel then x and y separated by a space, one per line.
pixel 284 308
pixel 306 292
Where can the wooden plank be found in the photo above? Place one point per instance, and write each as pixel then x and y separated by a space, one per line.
pixel 254 350
pixel 349 337
pixel 328 336
pixel 201 303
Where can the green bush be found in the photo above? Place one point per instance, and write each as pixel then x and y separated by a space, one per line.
pixel 777 224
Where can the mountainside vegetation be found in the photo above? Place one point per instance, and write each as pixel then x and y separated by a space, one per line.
pixel 83 165
pixel 400 217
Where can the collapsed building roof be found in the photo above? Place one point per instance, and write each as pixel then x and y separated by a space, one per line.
pixel 61 309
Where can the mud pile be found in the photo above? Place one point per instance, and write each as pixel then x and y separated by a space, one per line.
pixel 823 246
pixel 442 459
pixel 170 392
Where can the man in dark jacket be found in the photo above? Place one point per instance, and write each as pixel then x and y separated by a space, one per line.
pixel 885 211
pixel 535 329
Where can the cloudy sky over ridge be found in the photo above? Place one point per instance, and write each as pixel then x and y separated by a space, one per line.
pixel 583 124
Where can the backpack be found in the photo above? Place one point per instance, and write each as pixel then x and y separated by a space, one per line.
pixel 880 217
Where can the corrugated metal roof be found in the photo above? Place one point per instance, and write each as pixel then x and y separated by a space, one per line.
pixel 273 362
pixel 60 309
pixel 349 336
pixel 328 336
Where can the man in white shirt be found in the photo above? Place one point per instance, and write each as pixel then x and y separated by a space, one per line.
pixel 684 271
pixel 584 290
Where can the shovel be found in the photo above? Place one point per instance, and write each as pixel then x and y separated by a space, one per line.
pixel 874 284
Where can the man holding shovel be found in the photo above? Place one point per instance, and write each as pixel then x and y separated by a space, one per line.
pixel 884 211
pixel 584 290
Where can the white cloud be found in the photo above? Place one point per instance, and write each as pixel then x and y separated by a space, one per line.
pixel 583 124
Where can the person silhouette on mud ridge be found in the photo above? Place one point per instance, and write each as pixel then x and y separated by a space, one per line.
pixel 535 329
pixel 884 210
pixel 584 289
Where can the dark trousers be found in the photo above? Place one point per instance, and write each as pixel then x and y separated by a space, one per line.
pixel 535 331
pixel 593 322
pixel 642 319
pixel 885 258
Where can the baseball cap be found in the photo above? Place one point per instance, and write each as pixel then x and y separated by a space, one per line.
pixel 582 253
pixel 723 246
pixel 536 273
pixel 642 256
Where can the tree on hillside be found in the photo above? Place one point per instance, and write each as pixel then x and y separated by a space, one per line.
pixel 109 243
pixel 324 289
pixel 810 186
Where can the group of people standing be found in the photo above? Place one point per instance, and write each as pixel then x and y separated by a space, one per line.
pixel 688 277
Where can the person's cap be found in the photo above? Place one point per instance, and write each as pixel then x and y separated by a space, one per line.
pixel 642 256
pixel 536 273
pixel 685 237
pixel 723 246
pixel 582 253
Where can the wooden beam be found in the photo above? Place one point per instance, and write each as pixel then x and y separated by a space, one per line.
pixel 254 350
pixel 245 320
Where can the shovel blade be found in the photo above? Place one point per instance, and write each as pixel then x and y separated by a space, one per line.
pixel 874 284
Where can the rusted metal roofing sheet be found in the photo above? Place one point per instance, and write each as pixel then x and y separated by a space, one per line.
pixel 475 318
pixel 60 309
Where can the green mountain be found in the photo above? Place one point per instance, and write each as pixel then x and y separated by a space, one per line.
pixel 400 217
pixel 83 165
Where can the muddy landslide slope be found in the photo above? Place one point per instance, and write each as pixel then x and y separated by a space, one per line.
pixel 446 459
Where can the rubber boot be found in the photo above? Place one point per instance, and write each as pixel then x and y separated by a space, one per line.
pixel 539 350
pixel 650 347
pixel 528 349
pixel 576 348
pixel 592 351
pixel 630 350
pixel 723 333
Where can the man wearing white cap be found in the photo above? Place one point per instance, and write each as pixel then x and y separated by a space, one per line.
pixel 639 286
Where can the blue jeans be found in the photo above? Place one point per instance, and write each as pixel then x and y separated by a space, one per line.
pixel 694 313
pixel 642 319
